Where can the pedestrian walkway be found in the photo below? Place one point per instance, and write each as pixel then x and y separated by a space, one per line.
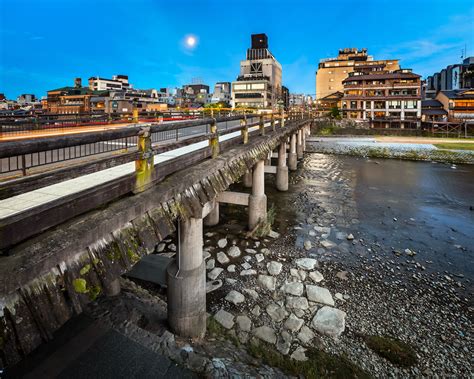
pixel 28 200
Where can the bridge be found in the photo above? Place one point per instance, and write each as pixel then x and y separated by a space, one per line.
pixel 68 233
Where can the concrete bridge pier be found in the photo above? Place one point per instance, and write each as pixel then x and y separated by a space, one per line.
pixel 299 145
pixel 292 157
pixel 258 199
pixel 186 278
pixel 282 169
pixel 212 218
pixel 303 138
pixel 248 179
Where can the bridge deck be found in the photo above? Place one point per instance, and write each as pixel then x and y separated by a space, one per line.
pixel 23 202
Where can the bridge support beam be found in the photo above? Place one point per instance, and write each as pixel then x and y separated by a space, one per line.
pixel 186 278
pixel 303 138
pixel 212 218
pixel 292 158
pixel 248 179
pixel 282 169
pixel 299 145
pixel 258 199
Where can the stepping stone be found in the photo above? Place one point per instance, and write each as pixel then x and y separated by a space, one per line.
pixel 253 294
pixel 276 312
pixel 293 323
pixel 251 251
pixel 222 243
pixel 235 297
pixel 213 285
pixel 214 273
pixel 266 334
pixel 297 302
pixel 274 268
pixel 284 343
pixel 256 311
pixel 247 258
pixel 295 289
pixel 273 234
pixel 299 354
pixel 328 244
pixel 231 268
pixel 306 263
pixel 316 276
pixel 224 318
pixel 265 251
pixel 246 266
pixel 267 282
pixel 259 257
pixel 329 321
pixel 244 323
pixel 222 258
pixel 248 272
pixel 305 335
pixel 210 264
pixel 308 245
pixel 319 295
pixel 233 252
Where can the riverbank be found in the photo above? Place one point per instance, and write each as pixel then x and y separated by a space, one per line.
pixel 265 294
pixel 408 148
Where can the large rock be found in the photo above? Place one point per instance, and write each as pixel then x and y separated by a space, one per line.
pixel 308 245
pixel 305 335
pixel 283 344
pixel 248 272
pixel 224 318
pixel 297 302
pixel 210 264
pixel 244 323
pixel 222 243
pixel 295 288
pixel 293 323
pixel 316 276
pixel 233 252
pixel 329 321
pixel 306 263
pixel 267 282
pixel 274 268
pixel 253 294
pixel 213 285
pixel 276 312
pixel 235 297
pixel 214 273
pixel 299 354
pixel 319 295
pixel 222 258
pixel 266 334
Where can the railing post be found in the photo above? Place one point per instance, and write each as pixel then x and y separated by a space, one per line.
pixel 261 125
pixel 135 116
pixel 245 130
pixel 214 141
pixel 145 162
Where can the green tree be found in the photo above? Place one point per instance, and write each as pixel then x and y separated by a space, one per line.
pixel 335 113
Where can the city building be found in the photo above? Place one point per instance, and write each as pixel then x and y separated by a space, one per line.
pixel 459 104
pixel 259 84
pixel 453 77
pixel 387 99
pixel 26 98
pixel 329 102
pixel 433 110
pixel 118 82
pixel 221 93
pixel 332 71
pixel 195 94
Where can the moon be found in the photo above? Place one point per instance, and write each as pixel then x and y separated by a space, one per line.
pixel 190 41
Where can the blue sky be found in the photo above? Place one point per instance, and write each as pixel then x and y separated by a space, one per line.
pixel 44 44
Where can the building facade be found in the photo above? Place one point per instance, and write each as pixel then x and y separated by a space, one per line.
pixel 453 77
pixel 222 93
pixel 260 80
pixel 387 99
pixel 332 71
pixel 459 104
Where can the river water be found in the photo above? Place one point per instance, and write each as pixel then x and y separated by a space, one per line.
pixel 425 207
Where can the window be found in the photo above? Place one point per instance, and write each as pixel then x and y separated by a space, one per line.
pixel 353 104
pixel 394 104
pixel 240 87
pixel 410 104
pixel 331 80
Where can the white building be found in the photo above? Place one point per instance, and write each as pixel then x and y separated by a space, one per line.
pixel 221 93
pixel 259 83
pixel 118 82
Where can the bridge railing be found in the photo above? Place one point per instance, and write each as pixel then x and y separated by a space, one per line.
pixel 73 155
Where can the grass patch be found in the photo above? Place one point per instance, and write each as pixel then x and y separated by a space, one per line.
pixel 455 146
pixel 216 330
pixel 395 351
pixel 318 365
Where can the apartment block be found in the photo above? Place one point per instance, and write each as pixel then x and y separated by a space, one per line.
pixel 333 71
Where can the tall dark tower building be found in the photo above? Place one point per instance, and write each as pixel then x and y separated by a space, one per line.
pixel 259 41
